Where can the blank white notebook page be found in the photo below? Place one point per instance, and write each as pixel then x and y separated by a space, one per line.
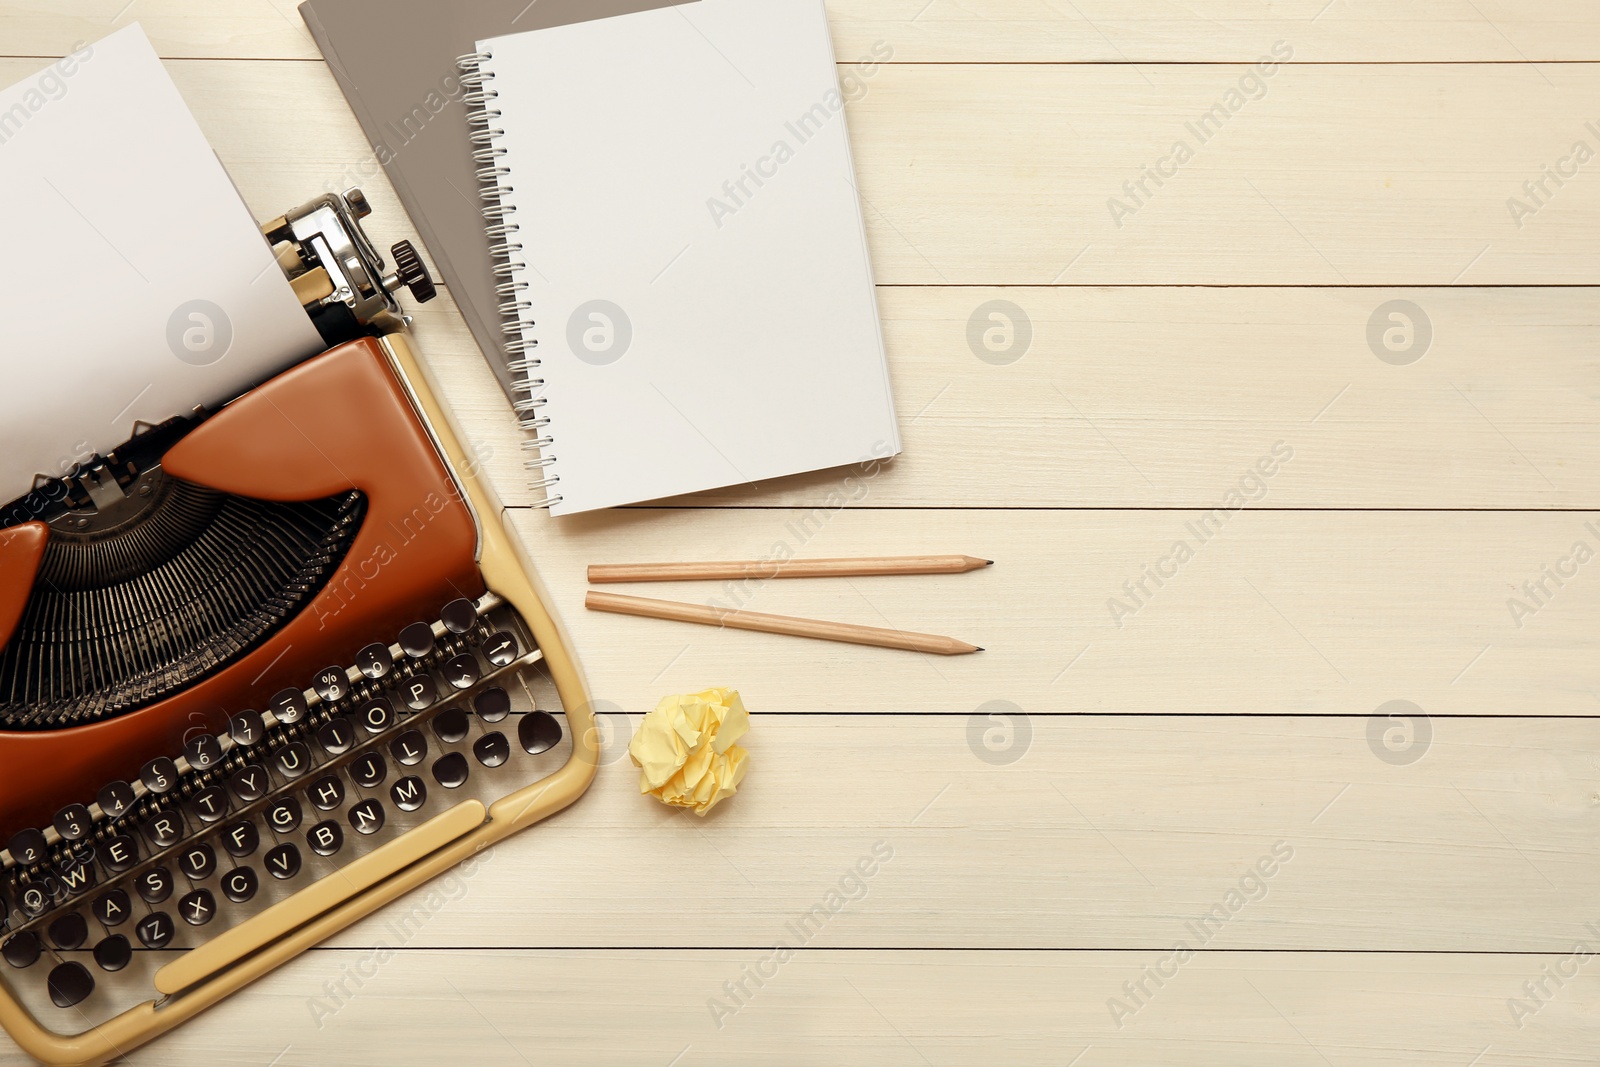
pixel 693 249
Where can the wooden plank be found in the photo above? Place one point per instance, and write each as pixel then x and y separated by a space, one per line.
pixel 1304 612
pixel 1163 397
pixel 986 175
pixel 912 1009
pixel 989 175
pixel 1159 31
pixel 1010 31
pixel 1062 832
pixel 245 29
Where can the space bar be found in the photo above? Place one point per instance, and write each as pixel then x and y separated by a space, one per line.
pixel 317 899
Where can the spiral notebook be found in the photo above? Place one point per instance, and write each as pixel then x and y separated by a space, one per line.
pixel 673 213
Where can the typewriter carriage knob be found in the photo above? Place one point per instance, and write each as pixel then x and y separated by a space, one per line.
pixel 410 272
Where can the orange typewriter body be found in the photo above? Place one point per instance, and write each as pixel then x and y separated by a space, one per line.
pixel 378 694
pixel 351 430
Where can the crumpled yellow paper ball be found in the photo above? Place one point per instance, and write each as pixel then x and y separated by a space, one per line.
pixel 685 749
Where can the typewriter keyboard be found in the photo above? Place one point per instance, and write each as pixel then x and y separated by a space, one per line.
pixel 151 885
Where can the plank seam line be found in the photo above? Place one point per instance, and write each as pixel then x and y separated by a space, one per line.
pixel 937 948
pixel 1046 63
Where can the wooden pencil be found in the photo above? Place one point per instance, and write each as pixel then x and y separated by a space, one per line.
pixel 850 633
pixel 744 569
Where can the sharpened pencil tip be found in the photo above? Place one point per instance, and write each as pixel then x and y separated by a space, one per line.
pixel 978 649
pixel 989 562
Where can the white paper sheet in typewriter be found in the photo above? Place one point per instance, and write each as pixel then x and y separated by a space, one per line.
pixel 135 285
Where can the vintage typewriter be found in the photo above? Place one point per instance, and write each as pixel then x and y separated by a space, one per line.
pixel 263 669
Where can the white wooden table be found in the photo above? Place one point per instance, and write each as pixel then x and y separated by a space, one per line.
pixel 1381 890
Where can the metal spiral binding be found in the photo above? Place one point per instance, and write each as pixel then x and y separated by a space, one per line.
pixel 516 312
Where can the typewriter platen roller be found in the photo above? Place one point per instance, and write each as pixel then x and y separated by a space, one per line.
pixel 263 669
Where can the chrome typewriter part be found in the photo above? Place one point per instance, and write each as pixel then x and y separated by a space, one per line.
pixel 337 273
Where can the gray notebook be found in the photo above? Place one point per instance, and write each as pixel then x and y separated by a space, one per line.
pixel 395 61
pixel 648 214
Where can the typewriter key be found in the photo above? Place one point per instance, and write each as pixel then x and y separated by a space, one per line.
pixel 539 732
pixel 69 984
pixel 492 705
pixel 119 853
pixel 198 862
pixel 409 793
pixel 367 817
pixel 410 748
pixel 164 830
pixel 202 751
pixel 336 736
pixel 249 783
pixel 113 953
pixel 451 770
pixel 492 749
pixel 156 930
pixel 293 759
pixel 240 884
pixel 241 839
pixel 327 792
pixel 115 799
pixel 112 908
pixel 197 908
pixel 459 616
pixel 421 692
pixel 332 684
pixel 246 728
pixel 211 803
pixel 283 861
pixel 369 771
pixel 374 661
pixel 27 847
pixel 69 932
pixel 501 648
pixel 154 885
pixel 72 822
pixel 377 716
pixel 462 671
pixel 160 775
pixel 289 706
pixel 284 816
pixel 34 899
pixel 22 950
pixel 326 838
pixel 77 872
pixel 450 725
pixel 417 640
